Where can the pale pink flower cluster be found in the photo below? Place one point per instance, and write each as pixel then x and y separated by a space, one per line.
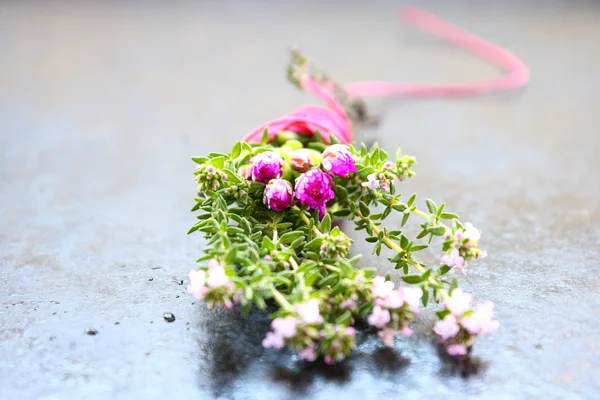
pixel 287 327
pixel 390 305
pixel 472 322
pixel 214 280
pixel 463 247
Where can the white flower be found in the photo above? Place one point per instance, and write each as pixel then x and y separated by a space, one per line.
pixel 372 183
pixel 471 232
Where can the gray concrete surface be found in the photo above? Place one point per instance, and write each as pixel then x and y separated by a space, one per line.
pixel 102 104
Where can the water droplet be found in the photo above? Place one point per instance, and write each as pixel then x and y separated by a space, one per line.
pixel 169 317
pixel 91 332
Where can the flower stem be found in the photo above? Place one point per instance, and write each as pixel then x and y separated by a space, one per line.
pixel 391 244
pixel 307 221
pixel 281 300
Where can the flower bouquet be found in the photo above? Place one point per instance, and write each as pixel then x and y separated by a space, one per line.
pixel 269 208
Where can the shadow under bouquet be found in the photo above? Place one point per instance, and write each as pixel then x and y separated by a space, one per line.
pixel 268 210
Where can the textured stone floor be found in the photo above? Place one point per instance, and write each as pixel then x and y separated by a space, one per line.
pixel 103 103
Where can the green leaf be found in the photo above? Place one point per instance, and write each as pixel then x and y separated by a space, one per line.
pixel 443 270
pixel 365 309
pixel 377 249
pixel 341 213
pixel 372 239
pixel 405 219
pixel 237 150
pixel 411 200
pixel 290 237
pixel 199 160
pixel 431 206
pixel 453 285
pixel 425 297
pixel 448 215
pixel 326 223
pixel 364 209
pixel 425 275
pixel 437 230
pixel 344 319
pixel 418 247
pixel 265 136
pixel 412 279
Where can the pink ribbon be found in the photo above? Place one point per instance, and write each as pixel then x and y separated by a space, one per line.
pixel 333 119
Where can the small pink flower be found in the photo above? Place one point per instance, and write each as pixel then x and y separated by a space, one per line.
pixel 372 182
pixel 349 303
pixel 265 166
pixel 406 331
pixel 309 312
pixel 459 302
pixel 387 336
pixel 482 254
pixel 412 297
pixel 381 288
pixel 197 284
pixel 273 340
pixel 481 320
pixel 359 278
pixel 308 354
pixel 217 277
pixel 387 165
pixel 279 195
pixel 328 359
pixel 338 161
pixel 314 189
pixel 447 327
pixel 379 317
pixel 471 232
pixel 350 331
pixel 394 299
pixel 456 350
pixel 213 263
pixel 453 259
pixel 285 327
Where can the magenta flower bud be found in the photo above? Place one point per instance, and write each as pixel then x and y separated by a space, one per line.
pixel 314 189
pixel 265 166
pixel 279 195
pixel 245 171
pixel 301 160
pixel 338 161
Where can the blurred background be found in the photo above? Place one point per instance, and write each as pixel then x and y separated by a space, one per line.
pixel 102 104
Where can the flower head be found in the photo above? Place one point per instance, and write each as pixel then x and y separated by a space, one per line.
pixel 217 277
pixel 411 296
pixel 308 354
pixel 309 312
pixel 453 259
pixel 197 286
pixel 265 166
pixel 446 328
pixel 379 317
pixel 285 326
pixel 459 302
pixel 279 195
pixel 314 189
pixel 381 288
pixel 481 320
pixel 338 161
pixel 273 340
pixel 372 182
pixel 301 160
pixel 471 232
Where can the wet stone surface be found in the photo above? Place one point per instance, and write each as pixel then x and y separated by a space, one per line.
pixel 101 106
